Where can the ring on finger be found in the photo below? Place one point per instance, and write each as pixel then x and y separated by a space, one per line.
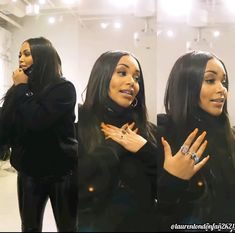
pixel 184 149
pixel 194 156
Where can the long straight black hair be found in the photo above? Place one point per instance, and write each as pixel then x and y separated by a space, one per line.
pixel 97 93
pixel 184 84
pixel 46 64
pixel 182 95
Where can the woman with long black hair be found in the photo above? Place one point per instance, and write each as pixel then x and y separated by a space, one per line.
pixel 196 97
pixel 37 122
pixel 118 169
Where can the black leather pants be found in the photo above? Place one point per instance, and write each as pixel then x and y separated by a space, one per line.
pixel 33 194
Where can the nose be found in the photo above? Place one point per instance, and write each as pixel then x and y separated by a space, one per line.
pixel 21 59
pixel 130 80
pixel 221 88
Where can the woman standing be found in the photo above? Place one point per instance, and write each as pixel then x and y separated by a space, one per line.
pixel 37 122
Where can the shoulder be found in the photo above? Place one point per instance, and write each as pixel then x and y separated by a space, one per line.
pixel 63 82
pixel 164 123
pixel 60 85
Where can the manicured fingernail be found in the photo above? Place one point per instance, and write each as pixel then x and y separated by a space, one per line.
pixel 196 130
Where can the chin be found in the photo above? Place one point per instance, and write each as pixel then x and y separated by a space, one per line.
pixel 124 105
pixel 216 113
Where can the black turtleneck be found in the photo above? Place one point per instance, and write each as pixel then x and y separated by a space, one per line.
pixel 116 114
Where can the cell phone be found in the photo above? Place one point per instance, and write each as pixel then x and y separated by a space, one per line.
pixel 29 71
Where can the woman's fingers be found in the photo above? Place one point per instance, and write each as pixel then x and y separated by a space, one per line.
pixel 125 126
pixel 131 126
pixel 199 165
pixel 197 143
pixel 190 139
pixel 167 148
pixel 201 149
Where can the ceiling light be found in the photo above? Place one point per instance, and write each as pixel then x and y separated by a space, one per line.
pixel 117 25
pixel 180 7
pixel 51 20
pixel 104 25
pixel 68 1
pixel 42 2
pixel 123 3
pixel 216 33
pixel 170 33
pixel 230 5
pixel 32 9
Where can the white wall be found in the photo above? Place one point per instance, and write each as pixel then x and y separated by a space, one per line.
pixel 79 47
pixel 169 49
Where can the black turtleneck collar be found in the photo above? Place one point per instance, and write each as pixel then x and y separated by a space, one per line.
pixel 206 118
pixel 116 114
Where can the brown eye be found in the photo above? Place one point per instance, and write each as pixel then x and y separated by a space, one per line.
pixel 210 81
pixel 27 53
pixel 122 73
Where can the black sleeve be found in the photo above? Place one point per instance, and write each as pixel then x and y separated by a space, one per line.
pixel 41 113
pixel 170 188
pixel 98 173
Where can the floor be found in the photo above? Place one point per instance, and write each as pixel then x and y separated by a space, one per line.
pixel 9 215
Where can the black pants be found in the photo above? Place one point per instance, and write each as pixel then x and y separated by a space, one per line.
pixel 33 194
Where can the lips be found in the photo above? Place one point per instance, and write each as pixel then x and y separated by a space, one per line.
pixel 218 100
pixel 128 92
pixel 23 67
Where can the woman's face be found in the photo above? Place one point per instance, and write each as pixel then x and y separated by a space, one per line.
pixel 124 85
pixel 25 57
pixel 214 91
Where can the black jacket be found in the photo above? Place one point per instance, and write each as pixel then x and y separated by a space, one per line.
pixel 209 197
pixel 117 188
pixel 43 141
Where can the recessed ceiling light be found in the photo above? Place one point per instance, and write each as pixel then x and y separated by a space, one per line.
pixel 51 20
pixel 117 25
pixel 104 25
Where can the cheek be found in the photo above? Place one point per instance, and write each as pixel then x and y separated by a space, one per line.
pixel 112 89
pixel 29 61
pixel 137 88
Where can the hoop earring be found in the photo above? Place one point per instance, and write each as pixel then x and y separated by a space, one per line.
pixel 134 103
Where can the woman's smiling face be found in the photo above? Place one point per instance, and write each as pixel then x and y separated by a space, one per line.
pixel 124 85
pixel 214 88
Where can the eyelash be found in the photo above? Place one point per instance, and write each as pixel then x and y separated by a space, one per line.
pixel 212 81
pixel 25 54
pixel 124 73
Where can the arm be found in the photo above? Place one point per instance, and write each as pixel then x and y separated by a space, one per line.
pixel 40 113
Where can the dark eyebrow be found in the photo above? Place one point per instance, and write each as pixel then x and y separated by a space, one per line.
pixel 212 71
pixel 122 64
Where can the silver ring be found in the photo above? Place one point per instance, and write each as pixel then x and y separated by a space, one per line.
pixel 184 149
pixel 194 156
